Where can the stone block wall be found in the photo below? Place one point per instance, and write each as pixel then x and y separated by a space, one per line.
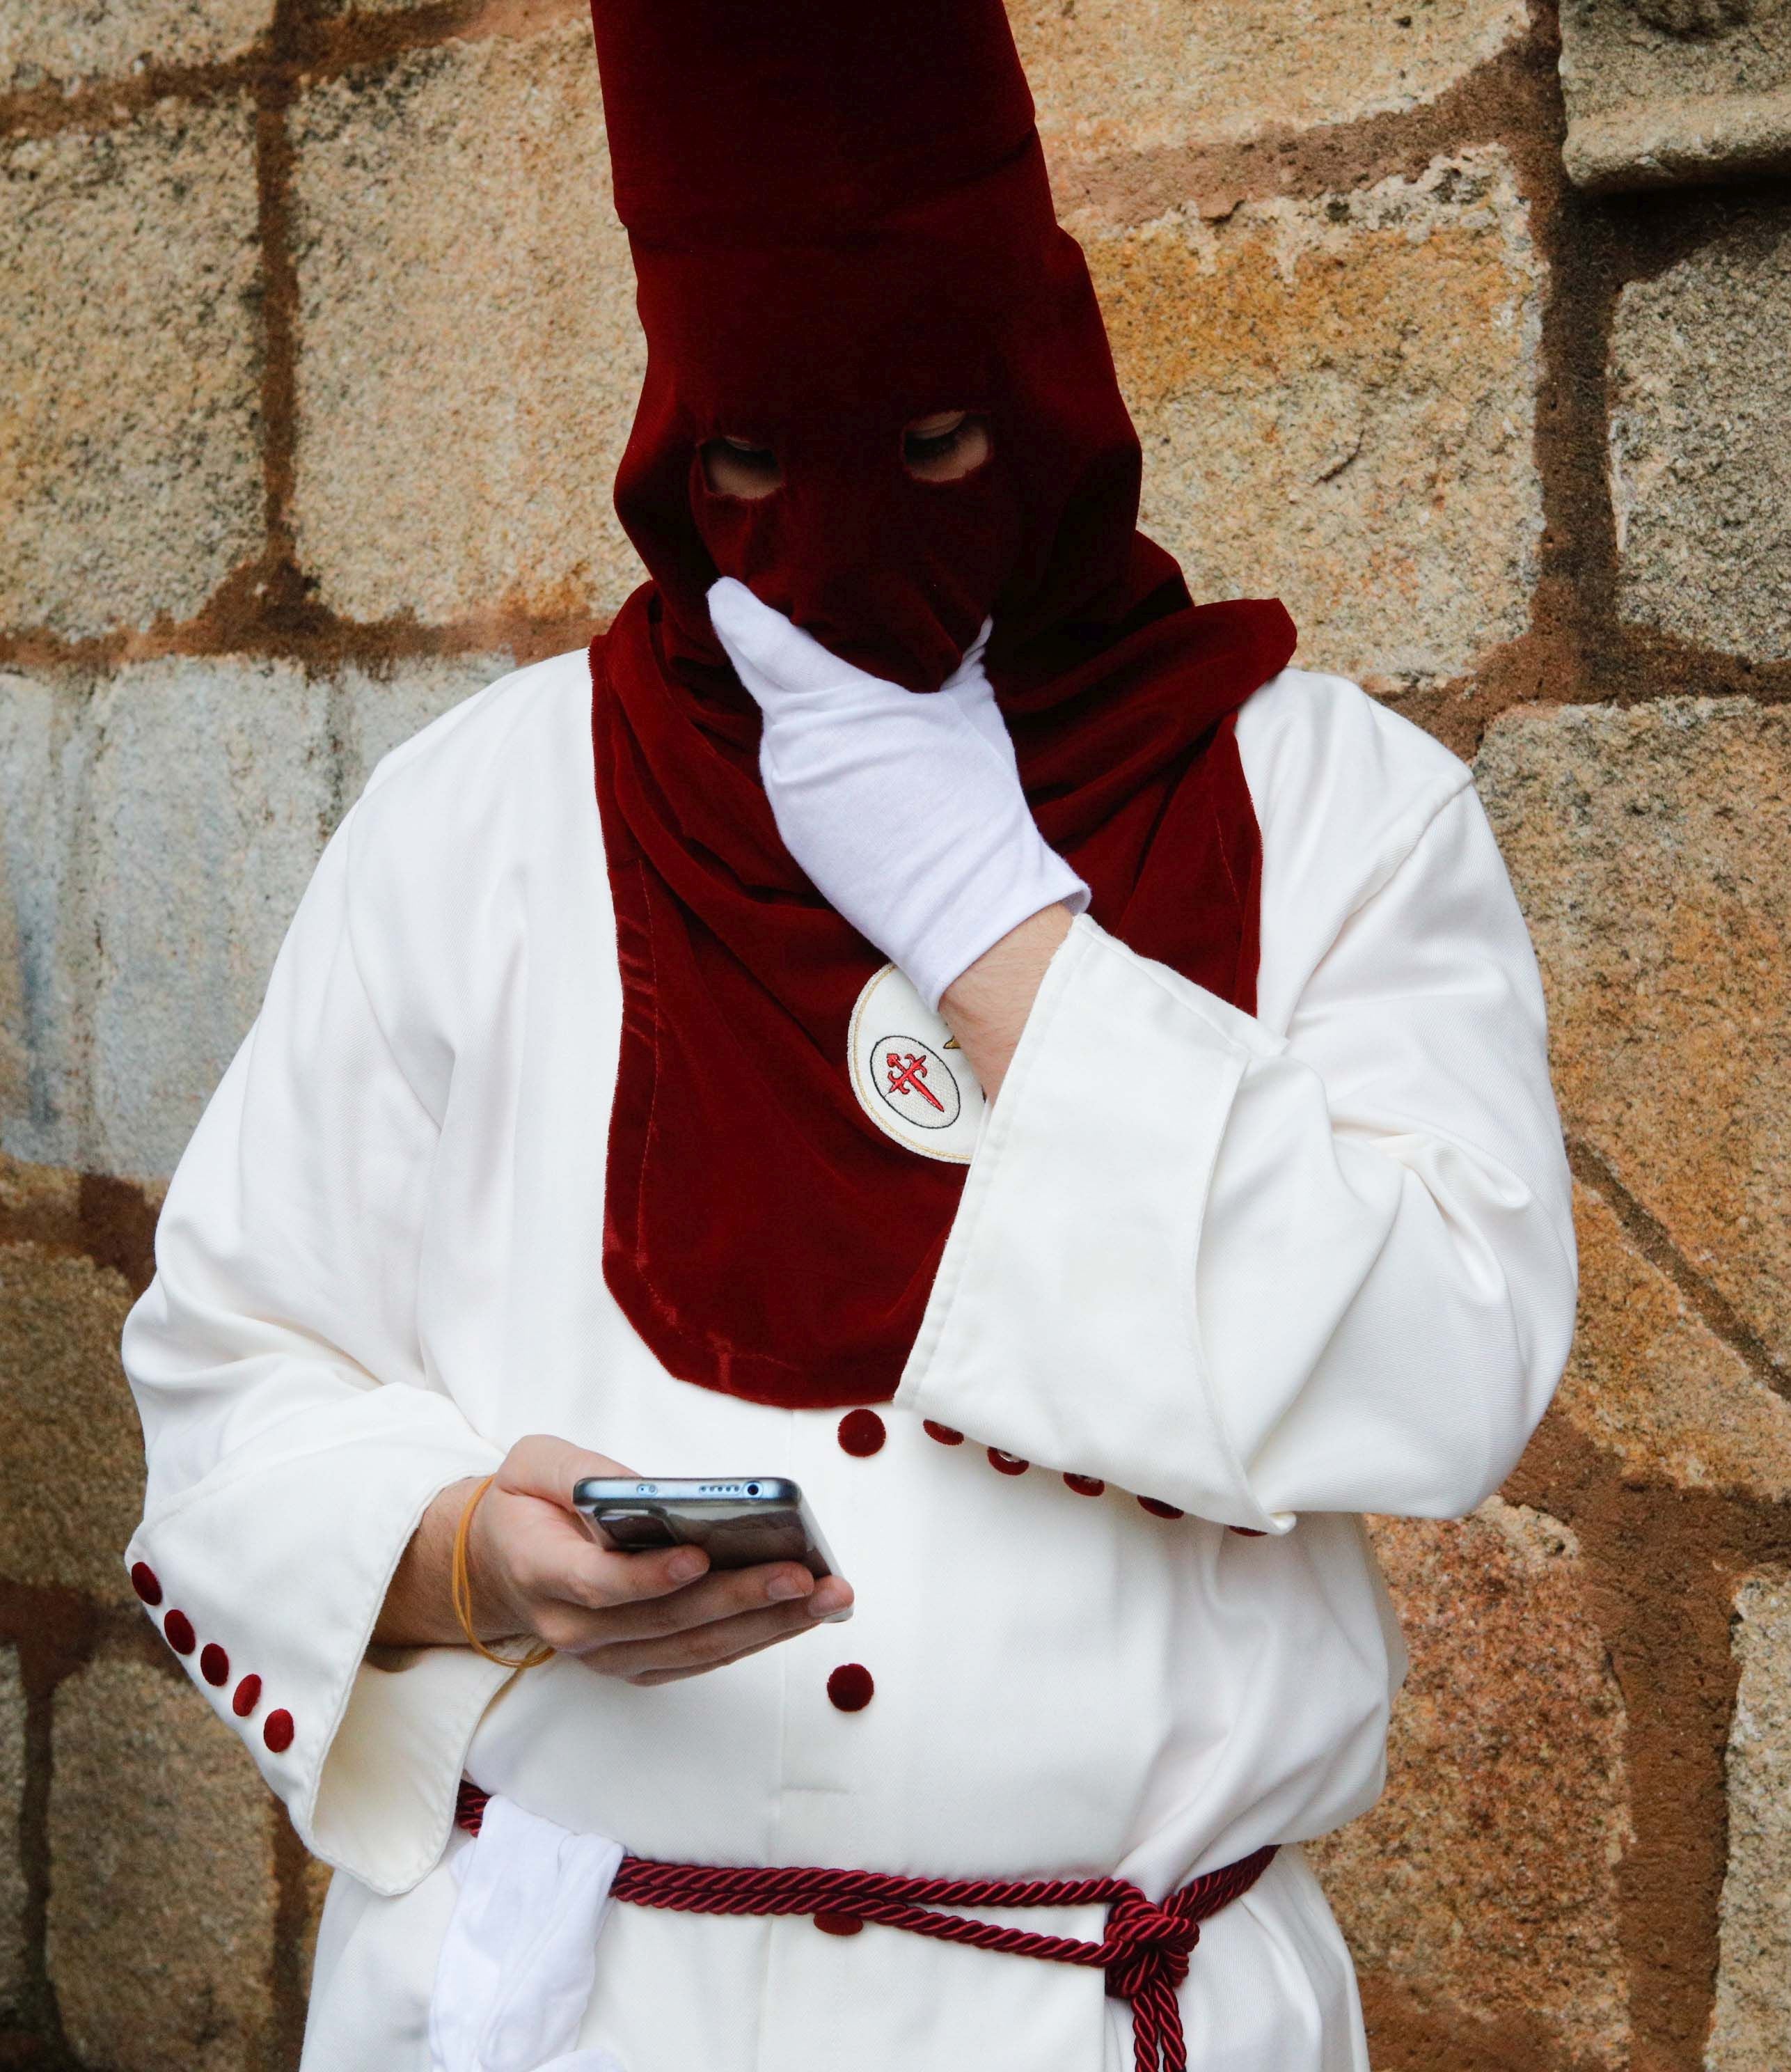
pixel 315 356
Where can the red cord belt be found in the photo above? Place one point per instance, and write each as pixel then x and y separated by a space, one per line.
pixel 1144 1952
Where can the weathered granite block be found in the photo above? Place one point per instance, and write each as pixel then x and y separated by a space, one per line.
pixel 469 355
pixel 1751 2030
pixel 1700 441
pixel 130 469
pixel 1650 1381
pixel 162 1878
pixel 84 40
pixel 44 753
pixel 212 788
pixel 1647 847
pixel 161 824
pixel 158 829
pixel 1337 400
pixel 1485 1882
pixel 12 1869
pixel 1110 75
pixel 1662 92
pixel 72 1477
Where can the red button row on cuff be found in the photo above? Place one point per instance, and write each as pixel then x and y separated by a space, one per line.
pixel 1011 1464
pixel 278 1728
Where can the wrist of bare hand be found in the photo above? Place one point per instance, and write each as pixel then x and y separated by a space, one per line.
pixel 535 1573
pixel 497 1614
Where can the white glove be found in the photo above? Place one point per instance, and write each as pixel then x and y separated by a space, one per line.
pixel 904 807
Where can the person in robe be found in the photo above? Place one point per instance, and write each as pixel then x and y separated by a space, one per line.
pixel 923 1007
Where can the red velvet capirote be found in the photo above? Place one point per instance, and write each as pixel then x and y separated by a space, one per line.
pixel 841 224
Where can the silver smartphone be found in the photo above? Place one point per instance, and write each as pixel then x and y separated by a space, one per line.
pixel 738 1524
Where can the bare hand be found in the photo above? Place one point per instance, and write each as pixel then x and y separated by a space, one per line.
pixel 536 1571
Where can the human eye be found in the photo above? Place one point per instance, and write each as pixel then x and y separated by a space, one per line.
pixel 945 446
pixel 737 466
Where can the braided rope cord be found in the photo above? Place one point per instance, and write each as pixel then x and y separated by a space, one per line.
pixel 1144 1952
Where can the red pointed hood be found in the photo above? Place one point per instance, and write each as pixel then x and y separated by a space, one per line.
pixel 841 224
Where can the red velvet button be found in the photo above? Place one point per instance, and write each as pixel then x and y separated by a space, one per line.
pixel 277 1732
pixel 850 1687
pixel 177 1630
pixel 248 1696
pixel 861 1433
pixel 1086 1485
pixel 838 1924
pixel 214 1664
pixel 1008 1464
pixel 1159 1510
pixel 1246 1531
pixel 943 1432
pixel 146 1582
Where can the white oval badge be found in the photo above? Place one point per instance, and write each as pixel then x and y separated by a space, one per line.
pixel 909 1074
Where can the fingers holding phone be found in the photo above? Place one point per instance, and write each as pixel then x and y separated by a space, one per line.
pixel 649 1616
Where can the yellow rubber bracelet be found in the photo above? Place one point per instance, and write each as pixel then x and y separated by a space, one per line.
pixel 460 1589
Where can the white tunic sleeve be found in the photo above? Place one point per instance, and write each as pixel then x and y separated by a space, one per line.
pixel 1253 1275
pixel 293 1436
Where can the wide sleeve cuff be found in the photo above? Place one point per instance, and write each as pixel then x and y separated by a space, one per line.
pixel 267 1579
pixel 1084 1204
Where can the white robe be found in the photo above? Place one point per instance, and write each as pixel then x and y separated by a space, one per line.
pixel 1276 1270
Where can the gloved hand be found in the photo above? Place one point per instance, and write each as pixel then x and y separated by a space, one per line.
pixel 904 807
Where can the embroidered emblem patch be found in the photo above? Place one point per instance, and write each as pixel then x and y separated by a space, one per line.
pixel 910 1078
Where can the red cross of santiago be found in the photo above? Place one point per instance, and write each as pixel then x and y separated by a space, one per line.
pixel 908 1076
